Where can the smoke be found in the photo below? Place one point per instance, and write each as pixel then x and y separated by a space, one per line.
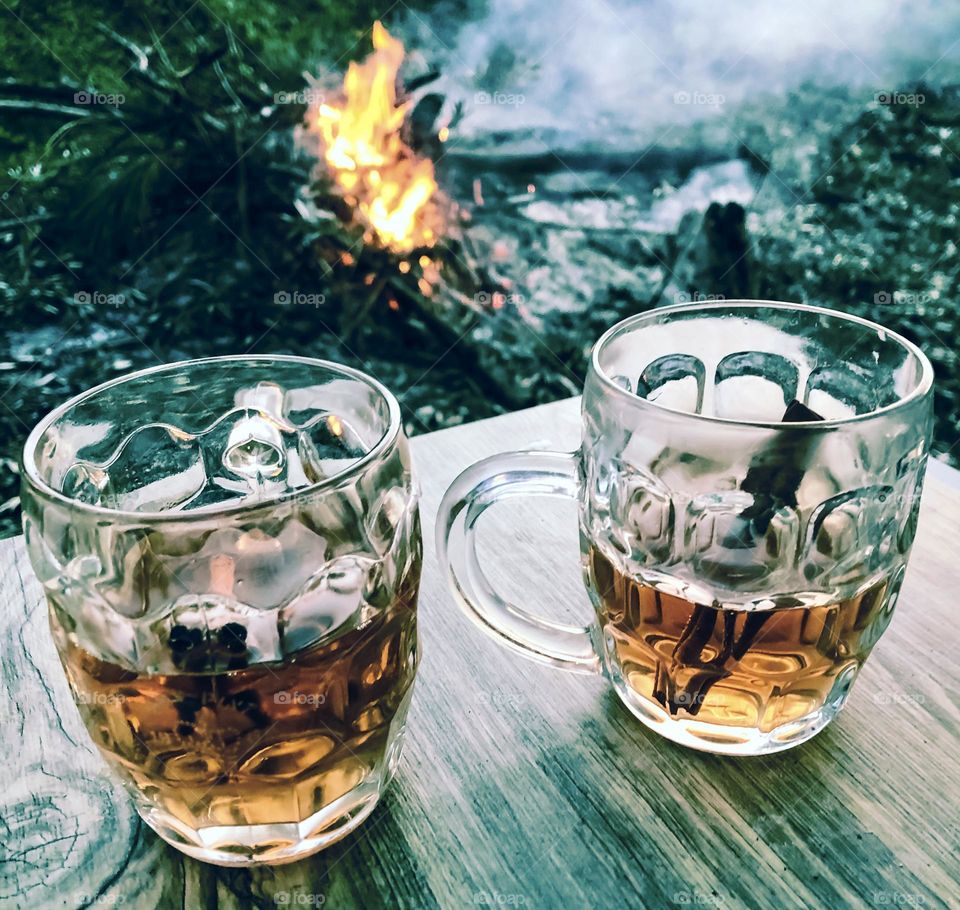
pixel 614 68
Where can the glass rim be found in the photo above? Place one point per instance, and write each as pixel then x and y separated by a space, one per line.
pixel 31 477
pixel 924 385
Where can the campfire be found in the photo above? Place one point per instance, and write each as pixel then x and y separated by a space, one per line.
pixel 389 186
pixel 401 248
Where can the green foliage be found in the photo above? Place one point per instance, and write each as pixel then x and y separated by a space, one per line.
pixel 70 38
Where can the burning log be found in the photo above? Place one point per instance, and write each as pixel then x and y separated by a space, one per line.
pixel 398 243
pixel 390 188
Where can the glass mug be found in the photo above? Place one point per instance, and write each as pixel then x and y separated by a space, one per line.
pixel 230 550
pixel 748 485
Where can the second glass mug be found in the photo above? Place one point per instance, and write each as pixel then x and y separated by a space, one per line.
pixel 230 550
pixel 748 485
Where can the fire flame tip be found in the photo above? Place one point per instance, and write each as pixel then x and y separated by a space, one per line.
pixel 380 36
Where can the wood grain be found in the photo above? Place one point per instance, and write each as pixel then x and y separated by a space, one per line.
pixel 523 786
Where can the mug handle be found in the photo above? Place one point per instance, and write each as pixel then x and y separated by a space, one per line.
pixel 476 489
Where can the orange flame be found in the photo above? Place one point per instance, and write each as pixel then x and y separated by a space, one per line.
pixel 366 156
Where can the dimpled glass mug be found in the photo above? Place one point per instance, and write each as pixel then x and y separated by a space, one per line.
pixel 230 550
pixel 748 485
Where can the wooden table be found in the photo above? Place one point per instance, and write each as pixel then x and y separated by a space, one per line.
pixel 523 786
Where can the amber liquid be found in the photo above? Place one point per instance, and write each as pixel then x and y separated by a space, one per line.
pixel 262 745
pixel 730 667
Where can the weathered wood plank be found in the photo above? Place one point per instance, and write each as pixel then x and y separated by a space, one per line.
pixel 524 786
